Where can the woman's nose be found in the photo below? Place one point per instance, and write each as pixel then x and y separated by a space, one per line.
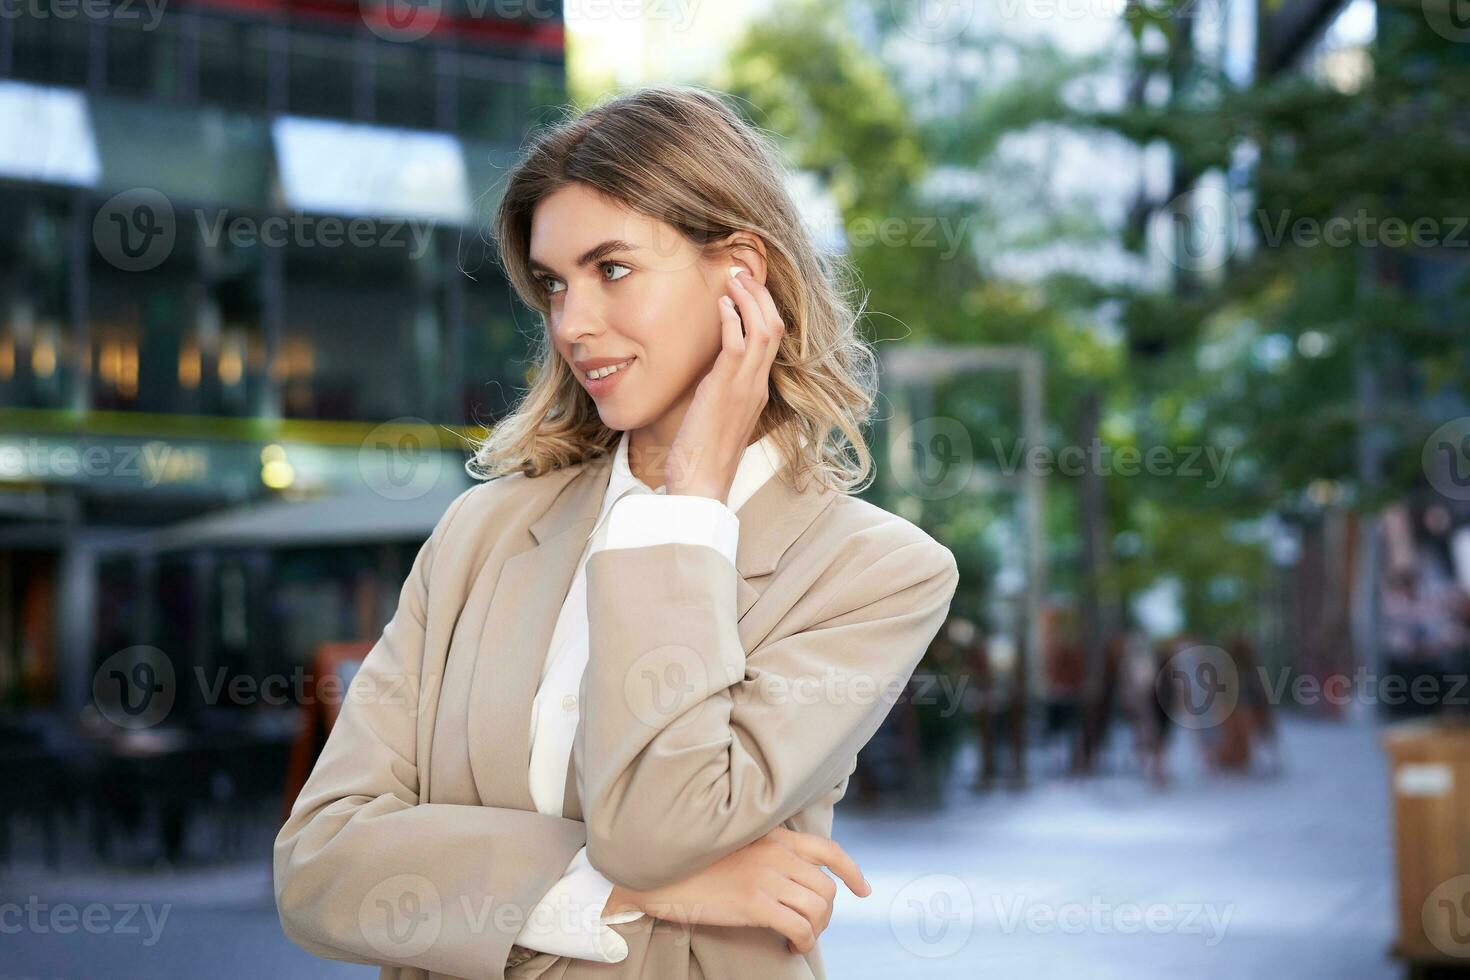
pixel 579 316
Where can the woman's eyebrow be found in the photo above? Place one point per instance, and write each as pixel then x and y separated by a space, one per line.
pixel 593 254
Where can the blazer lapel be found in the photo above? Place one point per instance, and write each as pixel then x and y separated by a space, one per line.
pixel 773 518
pixel 524 606
pixel 571 804
pixel 528 597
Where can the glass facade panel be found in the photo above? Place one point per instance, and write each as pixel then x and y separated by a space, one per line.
pixel 234 63
pixel 322 71
pixel 493 99
pixel 50 49
pixel 225 327
pixel 354 328
pixel 367 333
pixel 405 87
pixel 36 262
pixel 141 62
pixel 142 331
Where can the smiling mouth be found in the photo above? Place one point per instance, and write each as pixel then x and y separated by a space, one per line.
pixel 603 372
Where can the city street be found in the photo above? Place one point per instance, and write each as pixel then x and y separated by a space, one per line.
pixel 1115 381
pixel 1211 878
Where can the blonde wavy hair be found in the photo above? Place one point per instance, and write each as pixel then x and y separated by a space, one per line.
pixel 679 154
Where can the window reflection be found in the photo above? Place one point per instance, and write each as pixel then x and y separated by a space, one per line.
pixel 357 331
pixel 36 351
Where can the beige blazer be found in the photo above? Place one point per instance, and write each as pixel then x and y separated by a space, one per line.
pixel 718 703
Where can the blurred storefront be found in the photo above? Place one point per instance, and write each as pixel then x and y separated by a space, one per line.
pixel 247 317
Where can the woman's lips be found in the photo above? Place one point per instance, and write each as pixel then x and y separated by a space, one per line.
pixel 601 386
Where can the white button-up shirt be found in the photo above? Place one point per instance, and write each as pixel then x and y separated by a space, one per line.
pixel 568 921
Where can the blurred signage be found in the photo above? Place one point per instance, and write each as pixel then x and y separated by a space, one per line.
pixel 1424 779
pixel 105 462
pixel 59 146
pixel 357 170
pixel 188 153
pixel 390 463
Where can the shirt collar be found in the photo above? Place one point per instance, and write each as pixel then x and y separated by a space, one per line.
pixel 760 461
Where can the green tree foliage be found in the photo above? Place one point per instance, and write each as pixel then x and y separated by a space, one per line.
pixel 1262 361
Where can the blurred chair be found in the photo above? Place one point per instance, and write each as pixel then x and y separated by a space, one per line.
pixel 131 774
pixel 245 776
pixel 37 778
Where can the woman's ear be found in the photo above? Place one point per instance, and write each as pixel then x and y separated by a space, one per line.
pixel 748 251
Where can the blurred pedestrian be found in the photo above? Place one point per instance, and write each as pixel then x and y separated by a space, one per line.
pixel 1065 675
pixel 1254 707
pixel 1146 698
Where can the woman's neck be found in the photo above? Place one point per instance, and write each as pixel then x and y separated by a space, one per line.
pixel 648 454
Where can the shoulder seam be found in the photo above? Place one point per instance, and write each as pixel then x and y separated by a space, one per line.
pixel 445 522
pixel 821 613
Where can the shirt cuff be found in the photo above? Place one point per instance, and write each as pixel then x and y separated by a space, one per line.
pixel 642 519
pixel 568 921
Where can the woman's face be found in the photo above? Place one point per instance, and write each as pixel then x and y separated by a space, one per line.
pixel 622 285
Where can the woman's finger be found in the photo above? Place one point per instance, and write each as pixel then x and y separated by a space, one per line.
pixel 758 335
pixel 730 332
pixel 815 880
pixel 750 310
pixel 773 320
pixel 768 307
pixel 805 902
pixel 790 924
pixel 820 850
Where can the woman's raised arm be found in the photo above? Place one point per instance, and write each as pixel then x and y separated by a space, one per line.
pixel 689 749
pixel 365 872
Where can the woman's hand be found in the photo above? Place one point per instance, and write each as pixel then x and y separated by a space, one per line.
pixel 729 400
pixel 776 882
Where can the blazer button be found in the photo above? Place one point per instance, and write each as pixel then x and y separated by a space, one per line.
pixel 569 703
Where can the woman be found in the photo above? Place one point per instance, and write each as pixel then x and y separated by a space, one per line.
pixel 605 729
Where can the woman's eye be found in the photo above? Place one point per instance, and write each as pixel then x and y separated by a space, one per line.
pixel 613 265
pixel 550 285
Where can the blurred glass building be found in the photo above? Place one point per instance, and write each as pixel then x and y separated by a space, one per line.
pixel 247 316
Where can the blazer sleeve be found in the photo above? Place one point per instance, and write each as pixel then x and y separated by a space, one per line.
pixel 690 749
pixel 366 873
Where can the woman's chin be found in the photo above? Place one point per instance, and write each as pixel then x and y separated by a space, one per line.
pixel 618 417
pixel 624 411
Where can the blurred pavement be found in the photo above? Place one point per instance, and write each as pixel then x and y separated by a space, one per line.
pixel 1214 877
pixel 1101 879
